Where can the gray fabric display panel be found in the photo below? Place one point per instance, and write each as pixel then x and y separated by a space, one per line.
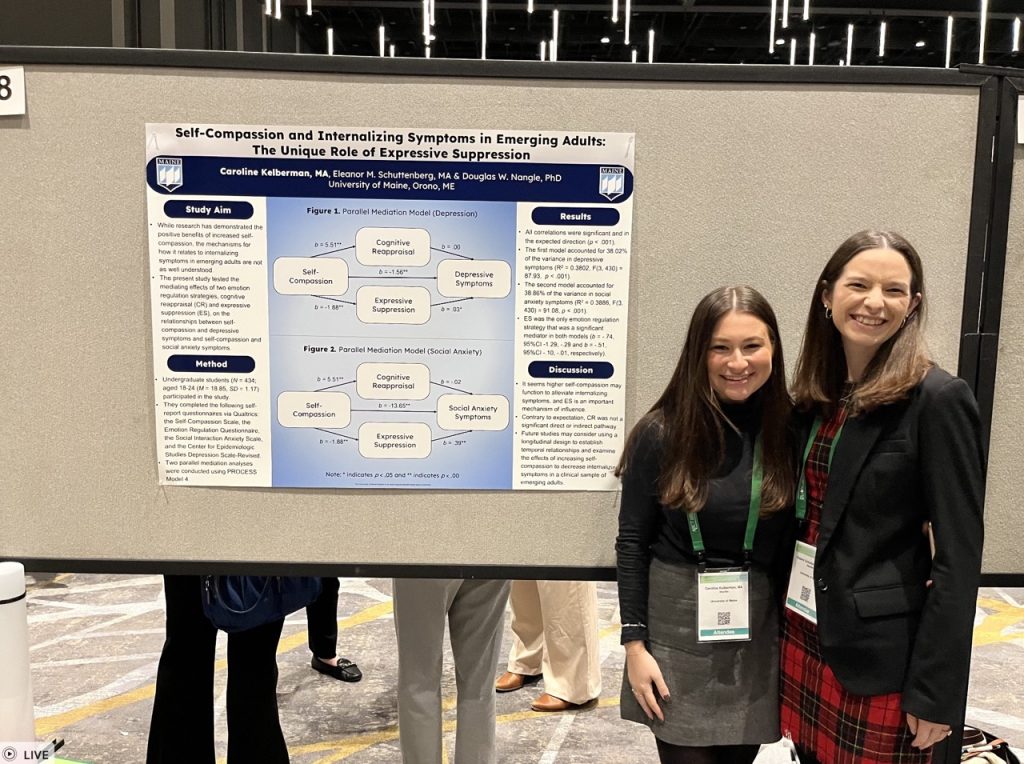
pixel 1003 497
pixel 735 183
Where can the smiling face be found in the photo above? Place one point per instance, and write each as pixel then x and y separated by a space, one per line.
pixel 869 302
pixel 739 357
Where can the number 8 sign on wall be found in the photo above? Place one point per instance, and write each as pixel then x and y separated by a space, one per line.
pixel 12 90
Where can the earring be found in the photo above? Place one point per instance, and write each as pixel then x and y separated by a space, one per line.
pixel 828 312
pixel 904 321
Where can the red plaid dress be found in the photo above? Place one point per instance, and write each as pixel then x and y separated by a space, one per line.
pixel 823 718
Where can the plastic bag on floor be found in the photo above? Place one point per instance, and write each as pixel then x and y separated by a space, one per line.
pixel 780 752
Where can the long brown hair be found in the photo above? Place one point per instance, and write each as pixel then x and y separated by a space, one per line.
pixel 691 421
pixel 899 363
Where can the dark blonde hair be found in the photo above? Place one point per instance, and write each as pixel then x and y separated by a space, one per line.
pixel 898 365
pixel 691 421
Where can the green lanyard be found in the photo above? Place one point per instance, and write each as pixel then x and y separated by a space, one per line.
pixel 752 516
pixel 801 490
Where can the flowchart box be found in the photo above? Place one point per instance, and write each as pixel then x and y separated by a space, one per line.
pixel 394 440
pixel 400 247
pixel 474 278
pixel 472 412
pixel 393 381
pixel 393 305
pixel 310 275
pixel 312 409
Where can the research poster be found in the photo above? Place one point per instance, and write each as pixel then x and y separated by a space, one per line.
pixel 388 307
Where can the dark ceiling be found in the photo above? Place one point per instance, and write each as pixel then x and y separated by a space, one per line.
pixel 702 31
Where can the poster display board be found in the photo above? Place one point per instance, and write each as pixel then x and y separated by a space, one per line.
pixel 388 308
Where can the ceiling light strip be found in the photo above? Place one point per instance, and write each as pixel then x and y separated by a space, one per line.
pixel 483 30
pixel 554 36
pixel 981 36
pixel 949 39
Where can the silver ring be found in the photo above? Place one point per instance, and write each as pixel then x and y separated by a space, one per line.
pixel 949 732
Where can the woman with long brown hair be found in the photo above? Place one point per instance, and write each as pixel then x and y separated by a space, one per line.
pixel 707 488
pixel 877 629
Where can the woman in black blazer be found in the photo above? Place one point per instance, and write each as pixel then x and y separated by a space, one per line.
pixel 880 608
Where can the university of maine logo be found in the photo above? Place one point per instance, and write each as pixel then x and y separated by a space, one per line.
pixel 612 182
pixel 169 173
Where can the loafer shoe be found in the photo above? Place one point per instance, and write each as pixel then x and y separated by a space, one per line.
pixel 510 681
pixel 545 702
pixel 346 670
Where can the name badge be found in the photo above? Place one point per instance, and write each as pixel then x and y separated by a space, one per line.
pixel 723 606
pixel 800 597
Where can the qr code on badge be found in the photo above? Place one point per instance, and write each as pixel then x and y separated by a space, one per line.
pixel 724 619
pixel 805 594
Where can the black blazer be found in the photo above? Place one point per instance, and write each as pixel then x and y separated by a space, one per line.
pixel 881 628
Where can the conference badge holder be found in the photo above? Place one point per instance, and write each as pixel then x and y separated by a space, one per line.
pixel 800 596
pixel 723 605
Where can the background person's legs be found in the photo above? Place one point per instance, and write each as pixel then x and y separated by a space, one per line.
pixel 421 606
pixel 181 728
pixel 572 650
pixel 527 651
pixel 475 621
pixel 254 726
pixel 322 620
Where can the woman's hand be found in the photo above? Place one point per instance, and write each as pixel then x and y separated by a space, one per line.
pixel 926 733
pixel 645 679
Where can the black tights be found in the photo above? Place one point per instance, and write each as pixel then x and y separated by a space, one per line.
pixel 718 754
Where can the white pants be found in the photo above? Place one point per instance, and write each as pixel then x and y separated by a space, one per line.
pixel 476 612
pixel 554 627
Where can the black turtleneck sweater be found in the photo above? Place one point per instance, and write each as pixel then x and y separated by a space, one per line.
pixel 646 528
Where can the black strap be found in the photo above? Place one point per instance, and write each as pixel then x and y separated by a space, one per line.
pixel 19 598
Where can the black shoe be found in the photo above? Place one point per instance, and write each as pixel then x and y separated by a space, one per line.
pixel 346 670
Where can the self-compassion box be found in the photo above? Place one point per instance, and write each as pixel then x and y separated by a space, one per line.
pixel 310 275
pixel 314 409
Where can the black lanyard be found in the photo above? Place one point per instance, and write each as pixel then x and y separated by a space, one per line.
pixel 756 475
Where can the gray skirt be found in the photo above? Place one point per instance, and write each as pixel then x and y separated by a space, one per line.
pixel 723 693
